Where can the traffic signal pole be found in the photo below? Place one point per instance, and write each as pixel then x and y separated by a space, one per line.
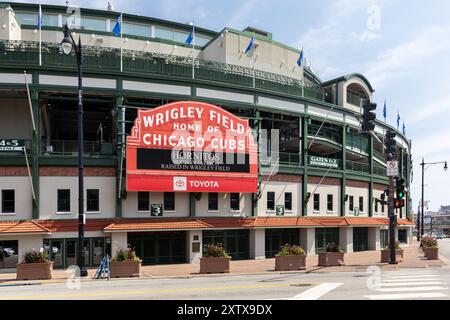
pixel 392 221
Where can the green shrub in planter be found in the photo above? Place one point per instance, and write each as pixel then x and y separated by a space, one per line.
pixel 214 251
pixel 126 255
pixel 332 247
pixel 429 242
pixel 36 257
pixel 291 250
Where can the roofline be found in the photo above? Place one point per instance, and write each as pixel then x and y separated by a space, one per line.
pixel 111 14
pixel 348 77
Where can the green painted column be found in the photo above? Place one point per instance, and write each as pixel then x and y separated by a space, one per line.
pixel 257 126
pixel 305 165
pixel 35 149
pixel 119 120
pixel 344 160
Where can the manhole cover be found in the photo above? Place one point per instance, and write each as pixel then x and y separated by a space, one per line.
pixel 301 285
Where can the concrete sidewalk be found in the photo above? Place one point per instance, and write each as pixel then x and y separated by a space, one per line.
pixel 354 262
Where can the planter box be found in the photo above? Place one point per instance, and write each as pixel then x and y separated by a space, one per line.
pixel 329 259
pixel 125 269
pixel 386 255
pixel 290 263
pixel 431 253
pixel 215 265
pixel 34 271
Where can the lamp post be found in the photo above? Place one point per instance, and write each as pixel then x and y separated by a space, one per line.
pixel 423 164
pixel 67 44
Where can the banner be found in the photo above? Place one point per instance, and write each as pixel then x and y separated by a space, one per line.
pixel 191 147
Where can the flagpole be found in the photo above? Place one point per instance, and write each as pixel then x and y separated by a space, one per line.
pixel 121 41
pixel 193 48
pixel 40 33
pixel 254 61
pixel 303 72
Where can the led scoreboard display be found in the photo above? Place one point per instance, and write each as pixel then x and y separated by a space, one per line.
pixel 192 147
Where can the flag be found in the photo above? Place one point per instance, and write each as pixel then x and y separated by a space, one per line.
pixel 190 38
pixel 300 59
pixel 398 120
pixel 117 30
pixel 404 129
pixel 385 111
pixel 250 46
pixel 40 23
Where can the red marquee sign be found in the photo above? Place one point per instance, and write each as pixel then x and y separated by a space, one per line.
pixel 191 147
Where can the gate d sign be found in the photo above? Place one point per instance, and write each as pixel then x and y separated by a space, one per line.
pixel 392 168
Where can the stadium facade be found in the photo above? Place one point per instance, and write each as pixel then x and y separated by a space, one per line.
pixel 319 186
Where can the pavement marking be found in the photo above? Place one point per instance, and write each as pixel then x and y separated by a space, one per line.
pixel 419 283
pixel 411 277
pixel 412 289
pixel 411 280
pixel 317 292
pixel 403 296
pixel 141 292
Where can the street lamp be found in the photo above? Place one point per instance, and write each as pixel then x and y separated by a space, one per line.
pixel 423 164
pixel 67 44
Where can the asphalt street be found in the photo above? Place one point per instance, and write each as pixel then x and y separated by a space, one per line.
pixel 365 284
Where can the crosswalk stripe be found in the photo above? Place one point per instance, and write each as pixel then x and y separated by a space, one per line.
pixel 317 292
pixel 418 295
pixel 411 289
pixel 419 283
pixel 412 277
pixel 409 280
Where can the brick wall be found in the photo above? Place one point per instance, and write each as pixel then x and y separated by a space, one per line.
pixel 73 171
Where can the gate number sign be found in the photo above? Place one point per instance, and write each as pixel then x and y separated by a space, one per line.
pixel 157 210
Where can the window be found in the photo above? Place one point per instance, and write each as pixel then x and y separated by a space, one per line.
pixel 137 29
pixel 93 24
pixel 271 201
pixel 213 202
pixel 403 236
pixel 8 201
pixel 288 201
pixel 361 204
pixel 316 202
pixel 351 204
pixel 92 200
pixel 143 201
pixel 234 201
pixel 169 201
pixel 376 206
pixel 382 208
pixel 63 200
pixel 330 202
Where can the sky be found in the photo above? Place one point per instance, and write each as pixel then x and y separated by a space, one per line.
pixel 402 47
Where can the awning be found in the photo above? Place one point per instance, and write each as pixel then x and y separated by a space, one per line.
pixel 22 227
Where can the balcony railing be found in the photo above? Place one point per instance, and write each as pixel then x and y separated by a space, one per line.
pixel 325 133
pixel 20 53
pixel 70 148
pixel 286 158
pixel 379 171
pixel 357 166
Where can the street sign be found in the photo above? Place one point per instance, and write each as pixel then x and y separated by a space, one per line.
pixel 392 168
pixel 157 210
pixel 280 210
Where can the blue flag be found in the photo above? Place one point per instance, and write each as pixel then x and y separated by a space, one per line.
pixel 300 59
pixel 404 129
pixel 385 111
pixel 40 21
pixel 189 38
pixel 250 45
pixel 117 30
pixel 398 120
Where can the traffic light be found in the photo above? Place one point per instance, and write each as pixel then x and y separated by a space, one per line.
pixel 390 144
pixel 399 201
pixel 368 115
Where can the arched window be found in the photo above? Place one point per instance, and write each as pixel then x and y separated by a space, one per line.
pixel 355 93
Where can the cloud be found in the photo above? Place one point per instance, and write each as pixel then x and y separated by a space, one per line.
pixel 366 36
pixel 240 18
pixel 407 55
pixel 435 142
pixel 439 106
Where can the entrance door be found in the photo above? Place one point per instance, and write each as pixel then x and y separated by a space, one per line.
pixel 160 247
pixel 9 254
pixel 71 252
pixel 277 238
pixel 360 239
pixel 384 238
pixel 325 236
pixel 235 242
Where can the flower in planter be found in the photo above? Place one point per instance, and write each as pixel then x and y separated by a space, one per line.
pixel 291 250
pixel 214 251
pixel 397 246
pixel 34 256
pixel 429 242
pixel 126 255
pixel 332 247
